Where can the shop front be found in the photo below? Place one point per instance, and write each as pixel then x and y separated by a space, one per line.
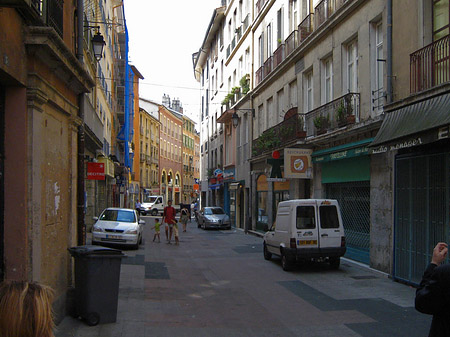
pixel 417 138
pixel 345 175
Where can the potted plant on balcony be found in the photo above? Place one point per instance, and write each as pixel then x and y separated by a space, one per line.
pixel 341 115
pixel 237 92
pixel 245 84
pixel 226 102
pixel 321 123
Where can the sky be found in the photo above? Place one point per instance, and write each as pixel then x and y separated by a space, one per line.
pixel 163 35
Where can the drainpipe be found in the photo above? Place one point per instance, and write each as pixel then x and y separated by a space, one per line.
pixel 389 52
pixel 81 226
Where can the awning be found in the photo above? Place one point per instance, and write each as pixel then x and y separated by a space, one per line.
pixel 411 125
pixel 215 186
pixel 344 151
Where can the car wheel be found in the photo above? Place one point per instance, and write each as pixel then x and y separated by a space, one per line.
pixel 155 212
pixel 285 263
pixel 267 254
pixel 335 262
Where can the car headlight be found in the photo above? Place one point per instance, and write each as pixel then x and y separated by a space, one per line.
pixel 131 231
pixel 97 229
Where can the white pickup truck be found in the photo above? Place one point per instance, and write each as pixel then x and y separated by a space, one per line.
pixel 154 205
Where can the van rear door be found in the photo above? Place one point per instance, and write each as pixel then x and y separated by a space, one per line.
pixel 306 226
pixel 330 229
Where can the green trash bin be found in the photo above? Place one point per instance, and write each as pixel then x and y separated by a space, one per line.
pixel 97 275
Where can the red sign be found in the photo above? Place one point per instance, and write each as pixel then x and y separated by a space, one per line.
pixel 196 187
pixel 96 171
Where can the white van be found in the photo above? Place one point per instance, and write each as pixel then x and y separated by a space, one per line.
pixel 305 230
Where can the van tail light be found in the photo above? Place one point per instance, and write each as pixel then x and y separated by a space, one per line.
pixel 342 241
pixel 293 243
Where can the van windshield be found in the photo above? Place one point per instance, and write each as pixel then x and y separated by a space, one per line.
pixel 149 199
pixel 328 216
pixel 305 217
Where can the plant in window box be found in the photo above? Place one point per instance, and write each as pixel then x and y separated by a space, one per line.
pixel 237 92
pixel 321 123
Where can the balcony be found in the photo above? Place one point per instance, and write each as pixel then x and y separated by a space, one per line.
pixel 148 159
pixel 259 75
pixel 291 42
pixel 323 11
pixel 268 66
pixel 305 28
pixel 278 56
pixel 280 135
pixel 430 66
pixel 142 158
pixel 335 114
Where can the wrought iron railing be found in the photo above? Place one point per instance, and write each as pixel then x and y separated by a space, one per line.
pixel 55 15
pixel 259 75
pixel 337 113
pixel 246 22
pixel 268 66
pixel 278 56
pixel 291 42
pixel 279 135
pixel 259 6
pixel 305 28
pixel 430 66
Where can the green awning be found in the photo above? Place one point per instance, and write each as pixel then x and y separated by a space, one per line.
pixel 407 125
pixel 344 151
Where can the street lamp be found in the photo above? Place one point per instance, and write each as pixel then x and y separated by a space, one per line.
pixel 97 44
pixel 235 119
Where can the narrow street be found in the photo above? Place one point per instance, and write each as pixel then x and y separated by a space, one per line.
pixel 217 283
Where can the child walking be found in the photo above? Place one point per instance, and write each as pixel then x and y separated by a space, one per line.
pixel 156 227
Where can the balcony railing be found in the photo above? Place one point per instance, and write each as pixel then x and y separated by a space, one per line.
pixel 142 157
pixel 148 159
pixel 430 66
pixel 268 64
pixel 259 75
pixel 323 11
pixel 278 56
pixel 280 135
pixel 305 28
pixel 291 42
pixel 335 114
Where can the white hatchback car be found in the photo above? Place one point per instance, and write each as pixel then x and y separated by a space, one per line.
pixel 118 226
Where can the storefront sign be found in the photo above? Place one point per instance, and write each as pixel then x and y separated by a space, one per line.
pixel 228 174
pixel 196 187
pixel 360 151
pixel 96 171
pixel 297 163
pixel 218 173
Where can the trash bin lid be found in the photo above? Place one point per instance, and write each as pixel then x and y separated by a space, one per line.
pixel 93 250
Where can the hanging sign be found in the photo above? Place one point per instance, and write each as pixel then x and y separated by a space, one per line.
pixel 297 163
pixel 95 171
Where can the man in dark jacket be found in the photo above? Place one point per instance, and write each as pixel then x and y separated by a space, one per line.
pixel 433 294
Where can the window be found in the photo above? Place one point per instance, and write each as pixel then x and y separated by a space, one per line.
pixel 327 80
pixel 328 217
pixel 293 15
pixel 440 19
pixel 269 40
pixel 377 66
pixel 280 101
pixel 306 218
pixel 293 101
pixel 280 32
pixel 308 91
pixel 351 69
pixel 261 50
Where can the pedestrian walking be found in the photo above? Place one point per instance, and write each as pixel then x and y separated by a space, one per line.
pixel 25 309
pixel 137 206
pixel 433 294
pixel 171 222
pixel 157 230
pixel 184 218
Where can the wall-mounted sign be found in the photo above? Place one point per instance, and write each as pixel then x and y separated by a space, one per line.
pixel 297 163
pixel 218 173
pixel 96 171
pixel 229 174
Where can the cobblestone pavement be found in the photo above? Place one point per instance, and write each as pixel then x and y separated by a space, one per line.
pixel 216 283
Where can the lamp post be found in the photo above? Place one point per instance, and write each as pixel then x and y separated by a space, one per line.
pixel 97 44
pixel 235 119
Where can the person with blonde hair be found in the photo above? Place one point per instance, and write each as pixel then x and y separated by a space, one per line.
pixel 25 309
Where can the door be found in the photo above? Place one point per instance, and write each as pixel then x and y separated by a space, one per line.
pixel 330 231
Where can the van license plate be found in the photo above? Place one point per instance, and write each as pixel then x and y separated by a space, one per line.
pixel 306 242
